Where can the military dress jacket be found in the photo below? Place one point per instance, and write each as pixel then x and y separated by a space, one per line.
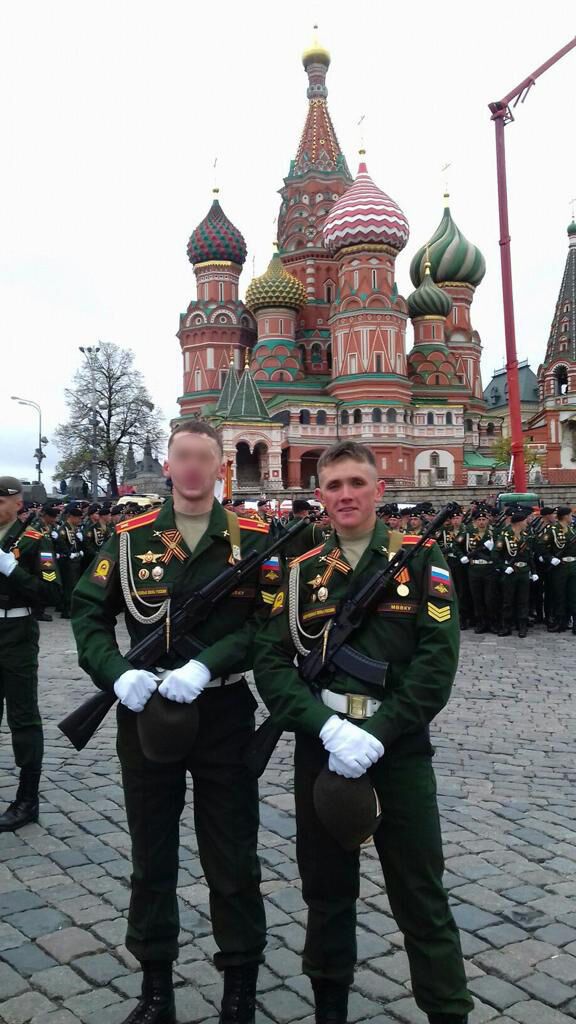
pixel 35 580
pixel 558 542
pixel 146 568
pixel 472 542
pixel 514 550
pixel 414 628
pixel 68 541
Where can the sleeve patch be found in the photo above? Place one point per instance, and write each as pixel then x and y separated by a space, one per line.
pixel 279 602
pixel 102 571
pixel 439 614
pixel 270 571
pixel 440 584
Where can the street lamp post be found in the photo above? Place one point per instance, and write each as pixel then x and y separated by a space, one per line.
pixel 91 352
pixel 39 453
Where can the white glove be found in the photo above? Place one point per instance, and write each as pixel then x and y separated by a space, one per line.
pixel 135 687
pixel 534 577
pixel 351 749
pixel 509 570
pixel 489 544
pixel 54 534
pixel 464 560
pixel 7 562
pixel 75 554
pixel 554 562
pixel 185 684
pixel 80 535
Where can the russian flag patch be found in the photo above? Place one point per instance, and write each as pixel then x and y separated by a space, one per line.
pixel 440 584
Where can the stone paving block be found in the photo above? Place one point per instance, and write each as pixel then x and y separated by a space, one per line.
pixel 284 962
pixel 115 1013
pixel 24 1007
pixel 10 937
pixel 60 1016
pixel 69 943
pixel 472 919
pixel 34 923
pixel 84 1006
pixel 561 966
pixel 11 983
pixel 283 1006
pixel 496 992
pixel 100 968
pixel 535 1012
pixel 28 958
pixel 502 934
pixel 547 989
pixel 377 987
pixel 59 982
pixel 18 900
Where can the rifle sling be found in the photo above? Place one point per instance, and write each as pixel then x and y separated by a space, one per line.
pixel 363 668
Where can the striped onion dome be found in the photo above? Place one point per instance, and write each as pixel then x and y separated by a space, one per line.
pixel 428 299
pixel 452 256
pixel 216 238
pixel 365 214
pixel 275 287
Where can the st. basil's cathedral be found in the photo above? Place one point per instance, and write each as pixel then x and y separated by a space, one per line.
pixel 317 351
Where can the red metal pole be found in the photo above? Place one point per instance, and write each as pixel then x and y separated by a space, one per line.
pixel 508 301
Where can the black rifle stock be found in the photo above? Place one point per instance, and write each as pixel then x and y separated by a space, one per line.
pixel 80 725
pixel 324 652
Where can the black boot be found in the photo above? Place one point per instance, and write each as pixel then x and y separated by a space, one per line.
pixel 481 627
pixel 24 808
pixel 522 629
pixel 156 1005
pixel 505 631
pixel 239 997
pixel 330 1001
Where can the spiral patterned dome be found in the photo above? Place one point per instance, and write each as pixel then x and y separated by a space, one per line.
pixel 452 256
pixel 428 299
pixel 216 238
pixel 365 214
pixel 275 287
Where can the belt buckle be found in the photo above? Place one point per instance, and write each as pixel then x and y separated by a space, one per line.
pixel 357 705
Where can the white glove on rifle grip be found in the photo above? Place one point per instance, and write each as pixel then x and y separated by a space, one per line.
pixel 509 570
pixel 135 687
pixel 464 560
pixel 352 750
pixel 185 684
pixel 7 562
pixel 489 544
pixel 554 562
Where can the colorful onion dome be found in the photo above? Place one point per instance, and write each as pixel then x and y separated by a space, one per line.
pixel 428 299
pixel 452 256
pixel 365 214
pixel 315 53
pixel 572 228
pixel 216 238
pixel 275 287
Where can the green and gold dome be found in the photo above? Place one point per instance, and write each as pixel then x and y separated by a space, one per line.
pixel 453 259
pixel 428 299
pixel 275 287
pixel 316 53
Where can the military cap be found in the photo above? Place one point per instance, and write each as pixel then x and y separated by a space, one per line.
pixel 520 514
pixel 394 510
pixel 116 510
pixel 95 507
pixel 349 809
pixel 9 485
pixel 237 502
pixel 480 510
pixel 226 502
pixel 167 729
pixel 563 510
pixel 427 507
pixel 456 509
pixel 72 509
pixel 105 509
pixel 50 509
pixel 546 510
pixel 301 505
pixel 264 502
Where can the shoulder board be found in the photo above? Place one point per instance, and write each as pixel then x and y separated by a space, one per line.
pixel 307 554
pixel 34 534
pixel 414 538
pixel 253 524
pixel 143 520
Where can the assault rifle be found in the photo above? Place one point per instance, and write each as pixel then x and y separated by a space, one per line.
pixel 332 651
pixel 80 725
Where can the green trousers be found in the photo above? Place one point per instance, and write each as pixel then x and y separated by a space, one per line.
pixel 70 573
pixel 515 597
pixel 19 689
pixel 226 821
pixel 409 846
pixel 562 579
pixel 484 591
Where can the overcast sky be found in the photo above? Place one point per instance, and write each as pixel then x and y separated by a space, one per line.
pixel 113 112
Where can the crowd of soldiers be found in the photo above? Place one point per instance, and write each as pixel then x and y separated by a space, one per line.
pixel 77 530
pixel 512 568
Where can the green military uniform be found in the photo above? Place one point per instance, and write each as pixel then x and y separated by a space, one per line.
pixel 94 536
pixel 478 545
pixel 415 628
pixel 144 565
pixel 514 551
pixel 560 543
pixel 314 534
pixel 68 546
pixel 34 581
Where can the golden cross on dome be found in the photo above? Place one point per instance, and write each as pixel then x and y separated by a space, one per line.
pixel 443 170
pixel 572 201
pixel 360 125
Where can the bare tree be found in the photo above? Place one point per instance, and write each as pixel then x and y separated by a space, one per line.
pixel 125 414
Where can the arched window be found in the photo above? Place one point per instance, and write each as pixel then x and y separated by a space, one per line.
pixel 376 415
pixel 321 418
pixel 561 380
pixel 490 430
pixel 374 279
pixel 329 356
pixel 391 416
pixel 449 419
pixel 304 417
pixel 434 460
pixel 468 426
pixel 344 417
pixel 316 354
pixel 303 354
pixel 430 419
pixel 357 415
pixel 378 363
pixel 328 292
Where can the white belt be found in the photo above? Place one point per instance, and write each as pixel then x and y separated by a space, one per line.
pixel 14 613
pixel 569 558
pixel 353 705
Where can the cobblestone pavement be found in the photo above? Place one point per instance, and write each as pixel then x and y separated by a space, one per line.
pixel 506 773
